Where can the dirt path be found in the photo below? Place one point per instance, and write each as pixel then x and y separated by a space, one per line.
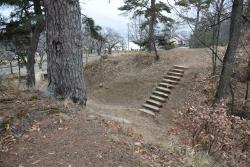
pixel 121 98
pixel 90 139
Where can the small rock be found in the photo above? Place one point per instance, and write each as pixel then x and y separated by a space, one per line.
pixel 137 144
pixel 99 156
pixel 101 85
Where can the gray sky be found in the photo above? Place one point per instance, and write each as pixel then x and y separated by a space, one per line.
pixel 5 11
pixel 105 14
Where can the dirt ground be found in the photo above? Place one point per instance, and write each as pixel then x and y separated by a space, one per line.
pixel 110 131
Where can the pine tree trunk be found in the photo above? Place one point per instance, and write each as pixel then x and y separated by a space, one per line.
pixel 30 66
pixel 224 89
pixel 35 34
pixel 11 68
pixel 152 45
pixel 30 78
pixel 65 61
pixel 151 27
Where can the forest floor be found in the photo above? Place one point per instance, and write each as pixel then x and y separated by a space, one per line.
pixel 110 131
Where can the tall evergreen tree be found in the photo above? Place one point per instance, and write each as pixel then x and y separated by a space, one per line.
pixel 92 28
pixel 28 17
pixel 153 11
pixel 94 34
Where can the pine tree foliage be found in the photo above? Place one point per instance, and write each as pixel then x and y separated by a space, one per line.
pixel 143 8
pixel 154 13
pixel 92 28
pixel 27 13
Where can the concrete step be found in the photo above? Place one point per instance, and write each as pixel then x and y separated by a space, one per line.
pixel 157 93
pixel 146 111
pixel 166 85
pixel 177 74
pixel 162 89
pixel 154 103
pixel 172 78
pixel 179 67
pixel 158 98
pixel 151 107
pixel 170 81
pixel 176 70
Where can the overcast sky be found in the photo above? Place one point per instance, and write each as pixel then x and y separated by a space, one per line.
pixel 104 13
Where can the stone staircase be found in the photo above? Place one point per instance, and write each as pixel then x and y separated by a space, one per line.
pixel 163 90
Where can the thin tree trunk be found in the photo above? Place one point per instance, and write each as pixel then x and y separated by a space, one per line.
pixel 213 54
pixel 19 67
pixel 11 68
pixel 223 89
pixel 248 7
pixel 197 17
pixel 193 43
pixel 65 61
pixel 99 48
pixel 109 50
pixel 156 53
pixel 30 79
pixel 151 25
pixel 151 44
pixel 35 34
pixel 98 51
pixel 216 32
pixel 248 66
pixel 40 64
pixel 247 89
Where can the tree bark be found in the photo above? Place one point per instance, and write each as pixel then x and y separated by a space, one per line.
pixel 11 68
pixel 65 61
pixel 35 34
pixel 248 7
pixel 248 67
pixel 151 44
pixel 197 16
pixel 99 47
pixel 151 27
pixel 30 79
pixel 223 89
pixel 216 33
pixel 19 67
pixel 110 50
